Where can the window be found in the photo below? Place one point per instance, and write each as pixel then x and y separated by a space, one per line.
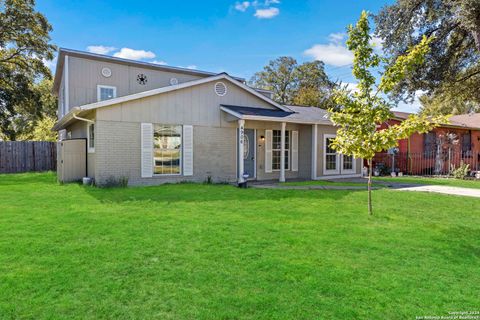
pixel 167 149
pixel 467 145
pixel 106 93
pixel 347 163
pixel 330 155
pixel 276 149
pixel 91 137
pixel 429 145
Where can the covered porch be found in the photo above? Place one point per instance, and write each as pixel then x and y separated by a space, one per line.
pixel 275 144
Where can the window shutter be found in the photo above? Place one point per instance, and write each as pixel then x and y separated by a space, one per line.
pixel 294 150
pixel 147 149
pixel 188 150
pixel 268 150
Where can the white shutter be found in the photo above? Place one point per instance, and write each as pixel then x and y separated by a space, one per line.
pixel 294 150
pixel 188 150
pixel 268 150
pixel 147 150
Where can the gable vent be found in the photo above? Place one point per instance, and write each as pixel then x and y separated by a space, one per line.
pixel 220 89
pixel 173 81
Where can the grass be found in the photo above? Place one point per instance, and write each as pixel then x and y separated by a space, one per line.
pixel 324 183
pixel 192 251
pixel 475 184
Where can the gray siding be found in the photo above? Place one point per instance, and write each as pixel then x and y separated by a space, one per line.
pixel 305 152
pixel 85 75
pixel 198 105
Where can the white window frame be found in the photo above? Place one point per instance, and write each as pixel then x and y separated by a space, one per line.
pixel 101 86
pixel 347 171
pixel 181 152
pixel 90 149
pixel 287 162
pixel 337 159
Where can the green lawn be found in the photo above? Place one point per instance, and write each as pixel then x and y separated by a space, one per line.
pixel 324 183
pixel 218 252
pixel 432 181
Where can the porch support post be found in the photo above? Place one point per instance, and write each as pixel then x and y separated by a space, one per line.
pixel 314 150
pixel 282 153
pixel 241 129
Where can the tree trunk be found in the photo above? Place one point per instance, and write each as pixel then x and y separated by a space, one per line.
pixel 370 211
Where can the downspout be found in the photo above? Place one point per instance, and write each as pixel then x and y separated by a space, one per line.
pixel 82 119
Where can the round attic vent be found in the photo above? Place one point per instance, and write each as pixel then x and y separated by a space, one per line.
pixel 173 81
pixel 220 89
pixel 106 72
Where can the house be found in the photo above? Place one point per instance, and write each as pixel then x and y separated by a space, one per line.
pixel 444 146
pixel 150 124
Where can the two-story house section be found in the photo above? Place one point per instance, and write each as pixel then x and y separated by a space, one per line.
pixel 146 123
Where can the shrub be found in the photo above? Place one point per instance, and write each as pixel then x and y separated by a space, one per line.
pixel 113 182
pixel 461 172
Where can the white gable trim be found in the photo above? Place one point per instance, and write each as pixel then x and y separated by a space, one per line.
pixel 59 125
pixel 178 87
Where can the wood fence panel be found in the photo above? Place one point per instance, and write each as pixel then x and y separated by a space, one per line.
pixel 25 156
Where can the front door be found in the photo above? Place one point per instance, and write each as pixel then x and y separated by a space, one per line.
pixel 249 153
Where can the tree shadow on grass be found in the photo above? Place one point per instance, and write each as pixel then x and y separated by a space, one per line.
pixel 190 192
pixel 460 244
pixel 9 179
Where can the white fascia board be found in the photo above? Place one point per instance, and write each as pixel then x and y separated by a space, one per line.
pixel 271 119
pixel 183 85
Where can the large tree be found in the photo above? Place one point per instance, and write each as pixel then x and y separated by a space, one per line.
pixel 24 47
pixel 453 63
pixel 305 84
pixel 358 113
pixel 37 126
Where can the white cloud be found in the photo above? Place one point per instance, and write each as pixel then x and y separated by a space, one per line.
pixel 377 43
pixel 351 86
pixel 267 13
pixel 335 52
pixel 133 54
pixel 100 49
pixel 242 6
pixel 413 106
pixel 160 62
pixel 332 54
pixel 263 9
pixel 337 37
pixel 192 66
pixel 51 64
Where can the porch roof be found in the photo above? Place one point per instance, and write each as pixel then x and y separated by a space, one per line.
pixel 297 114
pixel 252 111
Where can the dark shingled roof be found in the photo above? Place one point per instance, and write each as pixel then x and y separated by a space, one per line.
pixel 251 111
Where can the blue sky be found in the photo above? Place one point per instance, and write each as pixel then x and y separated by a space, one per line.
pixel 238 37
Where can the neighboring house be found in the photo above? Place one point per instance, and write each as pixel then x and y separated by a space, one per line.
pixel 151 124
pixel 420 153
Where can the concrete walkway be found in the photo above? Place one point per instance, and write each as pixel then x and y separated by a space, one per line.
pixel 457 191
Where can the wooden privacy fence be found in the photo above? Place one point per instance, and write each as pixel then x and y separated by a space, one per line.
pixel 23 156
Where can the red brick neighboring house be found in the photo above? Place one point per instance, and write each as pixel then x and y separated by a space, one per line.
pixel 436 151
